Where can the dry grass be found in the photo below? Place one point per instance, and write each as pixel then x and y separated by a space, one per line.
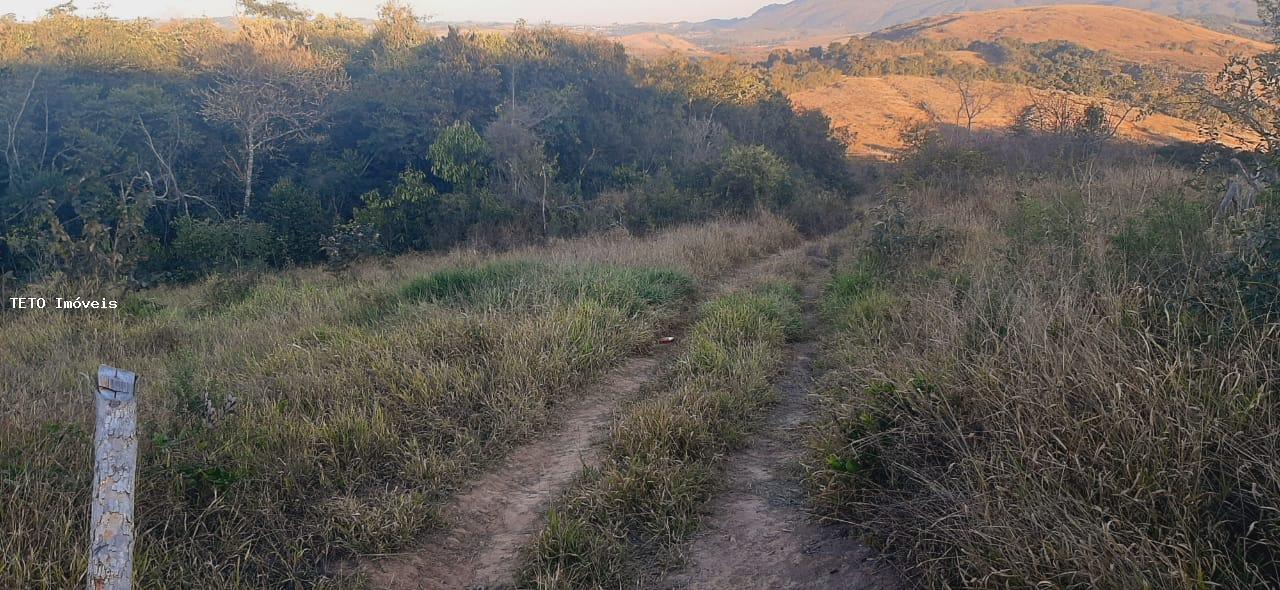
pixel 360 401
pixel 1134 35
pixel 878 109
pixel 660 461
pixel 1030 401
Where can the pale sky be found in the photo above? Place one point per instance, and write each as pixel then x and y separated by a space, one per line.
pixel 534 11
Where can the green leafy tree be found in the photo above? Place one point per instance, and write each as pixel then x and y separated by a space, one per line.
pixel 752 176
pixel 461 157
pixel 298 219
pixel 416 216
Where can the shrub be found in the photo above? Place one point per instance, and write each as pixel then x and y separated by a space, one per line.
pixel 298 220
pixel 818 212
pixel 202 245
pixel 750 177
pixel 1251 262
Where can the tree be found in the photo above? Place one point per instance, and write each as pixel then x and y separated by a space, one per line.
pixel 975 99
pixel 270 90
pixel 460 157
pixel 523 165
pixel 298 220
pixel 277 9
pixel 1247 90
pixel 395 35
pixel 752 176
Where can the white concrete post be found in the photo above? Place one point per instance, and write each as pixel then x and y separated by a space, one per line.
pixel 115 463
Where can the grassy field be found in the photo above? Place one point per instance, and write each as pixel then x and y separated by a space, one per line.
pixel 1064 378
pixel 661 460
pixel 292 419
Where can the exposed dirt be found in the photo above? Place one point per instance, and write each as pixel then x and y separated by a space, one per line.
pixel 758 534
pixel 501 511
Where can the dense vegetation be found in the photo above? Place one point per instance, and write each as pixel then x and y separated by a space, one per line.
pixel 1055 366
pixel 1063 379
pixel 135 151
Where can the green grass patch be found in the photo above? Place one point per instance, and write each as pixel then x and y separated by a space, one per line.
pixel 858 299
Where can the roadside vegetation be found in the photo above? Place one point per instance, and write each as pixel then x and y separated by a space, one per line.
pixel 1059 373
pixel 290 420
pixel 661 462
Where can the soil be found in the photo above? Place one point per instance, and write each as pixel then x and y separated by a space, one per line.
pixel 759 534
pixel 501 511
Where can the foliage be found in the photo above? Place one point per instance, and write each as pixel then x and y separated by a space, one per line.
pixel 428 141
pixel 460 157
pixel 206 244
pixel 751 177
pixel 298 220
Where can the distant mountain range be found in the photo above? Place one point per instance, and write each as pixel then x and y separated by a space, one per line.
pixel 865 16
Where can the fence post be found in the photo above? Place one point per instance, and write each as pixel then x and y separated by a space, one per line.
pixel 115 462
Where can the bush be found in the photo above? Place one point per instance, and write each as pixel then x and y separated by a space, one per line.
pixel 751 177
pixel 203 245
pixel 298 220
pixel 1251 263
pixel 818 212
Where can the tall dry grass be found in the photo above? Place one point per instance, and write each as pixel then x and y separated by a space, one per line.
pixel 291 419
pixel 1033 384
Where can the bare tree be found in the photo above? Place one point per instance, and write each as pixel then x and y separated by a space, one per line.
pixel 975 99
pixel 270 89
pixel 1058 113
pixel 12 123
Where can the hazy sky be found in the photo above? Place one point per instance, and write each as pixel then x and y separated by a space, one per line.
pixel 535 11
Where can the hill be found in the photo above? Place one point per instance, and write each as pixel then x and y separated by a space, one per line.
pixel 658 44
pixel 872 15
pixel 1129 34
pixel 877 109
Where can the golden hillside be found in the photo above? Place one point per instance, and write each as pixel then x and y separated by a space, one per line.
pixel 1129 34
pixel 878 109
pixel 659 44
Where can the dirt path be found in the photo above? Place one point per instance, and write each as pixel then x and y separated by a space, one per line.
pixel 501 511
pixel 759 535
